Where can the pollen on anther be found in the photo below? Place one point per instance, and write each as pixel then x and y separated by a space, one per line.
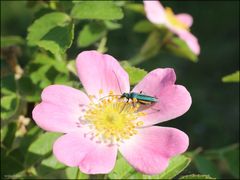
pixel 100 91
pixel 110 92
pixel 113 119
pixel 139 123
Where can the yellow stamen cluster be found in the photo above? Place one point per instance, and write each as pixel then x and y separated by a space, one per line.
pixel 173 19
pixel 113 119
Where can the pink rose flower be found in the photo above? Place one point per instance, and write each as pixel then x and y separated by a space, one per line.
pixel 178 24
pixel 99 123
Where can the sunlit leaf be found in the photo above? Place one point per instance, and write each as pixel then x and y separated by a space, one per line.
pixel 52 162
pixel 7 41
pixel 44 71
pixel 71 172
pixel 71 66
pixel 44 24
pixel 58 40
pixel 6 101
pixel 181 49
pixel 121 169
pixel 234 77
pixel 105 10
pixel 43 144
pixel 91 33
pixel 31 135
pixel 9 106
pixel 135 175
pixel 143 26
pixel 196 176
pixel 135 74
pixel 112 25
pixel 40 147
pixel 206 166
pixel 3 132
pixel 52 31
pixel 176 166
pixel 74 173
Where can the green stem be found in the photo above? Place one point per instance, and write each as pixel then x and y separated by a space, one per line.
pixel 102 45
pixel 151 46
pixel 77 173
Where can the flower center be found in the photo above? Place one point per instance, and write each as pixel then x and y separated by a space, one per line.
pixel 173 19
pixel 113 119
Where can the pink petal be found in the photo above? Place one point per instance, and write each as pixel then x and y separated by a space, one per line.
pixel 150 150
pixel 101 71
pixel 60 108
pixel 155 12
pixel 76 149
pixel 191 41
pixel 173 100
pixel 185 18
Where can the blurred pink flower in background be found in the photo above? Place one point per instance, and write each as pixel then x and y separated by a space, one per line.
pixel 179 24
pixel 99 123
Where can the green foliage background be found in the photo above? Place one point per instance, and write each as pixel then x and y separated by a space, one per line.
pixel 212 122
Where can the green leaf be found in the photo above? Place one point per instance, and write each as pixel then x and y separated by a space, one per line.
pixel 91 33
pixel 206 166
pixel 136 8
pixel 234 77
pixel 135 175
pixel 71 172
pixel 58 40
pixel 31 135
pixel 105 10
pixel 40 147
pixel 121 169
pixel 176 166
pixel 180 48
pixel 52 162
pixel 112 25
pixel 7 41
pixel 6 101
pixel 53 32
pixel 74 173
pixel 9 165
pixel 43 144
pixel 143 26
pixel 9 106
pixel 149 49
pixel 44 24
pixel 8 85
pixel 135 74
pixel 71 66
pixel 44 70
pixel 196 176
pixel 10 135
pixel 28 90
pixel 4 130
pixel 232 158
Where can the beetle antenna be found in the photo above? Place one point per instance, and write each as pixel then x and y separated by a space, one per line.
pixel 117 82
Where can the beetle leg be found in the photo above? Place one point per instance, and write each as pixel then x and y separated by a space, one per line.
pixel 124 106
